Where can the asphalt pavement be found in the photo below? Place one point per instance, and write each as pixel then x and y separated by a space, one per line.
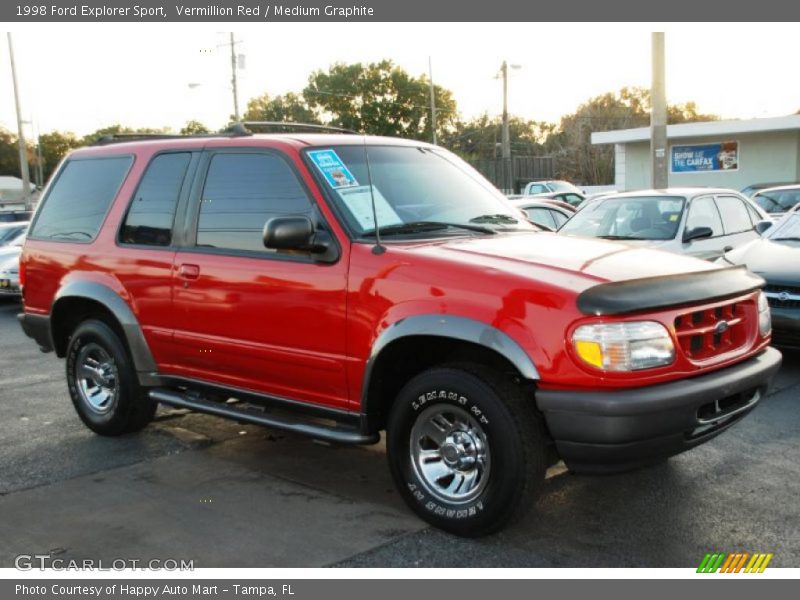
pixel 229 495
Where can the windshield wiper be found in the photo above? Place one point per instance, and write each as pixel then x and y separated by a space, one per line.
pixel 498 219
pixel 424 226
pixel 785 239
pixel 619 237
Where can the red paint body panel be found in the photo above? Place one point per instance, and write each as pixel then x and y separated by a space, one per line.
pixel 305 330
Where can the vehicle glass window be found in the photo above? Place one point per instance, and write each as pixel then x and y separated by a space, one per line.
pixel 559 218
pixel 152 210
pixel 631 218
pixel 76 205
pixel 754 216
pixel 703 213
pixel 427 190
pixel 734 215
pixel 537 188
pixel 241 193
pixel 8 233
pixel 787 229
pixel 563 186
pixel 573 199
pixel 541 216
pixel 778 201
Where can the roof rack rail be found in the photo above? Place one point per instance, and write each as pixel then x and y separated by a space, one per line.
pixel 112 138
pixel 243 127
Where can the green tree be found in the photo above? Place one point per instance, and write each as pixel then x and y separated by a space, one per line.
pixel 93 137
pixel 480 138
pixel 379 99
pixel 580 161
pixel 290 107
pixel 55 146
pixel 194 127
pixel 9 153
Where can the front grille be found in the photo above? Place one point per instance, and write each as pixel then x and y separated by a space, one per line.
pixel 783 296
pixel 704 334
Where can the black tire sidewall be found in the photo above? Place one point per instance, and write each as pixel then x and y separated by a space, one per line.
pixel 114 421
pixel 489 510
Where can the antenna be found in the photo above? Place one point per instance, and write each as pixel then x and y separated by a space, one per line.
pixel 378 248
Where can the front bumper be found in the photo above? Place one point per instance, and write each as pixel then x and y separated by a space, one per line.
pixel 786 327
pixel 605 432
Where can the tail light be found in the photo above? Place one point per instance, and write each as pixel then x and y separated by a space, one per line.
pixel 22 270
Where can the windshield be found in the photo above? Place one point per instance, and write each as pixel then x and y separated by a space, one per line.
pixel 787 229
pixel 778 201
pixel 415 190
pixel 629 218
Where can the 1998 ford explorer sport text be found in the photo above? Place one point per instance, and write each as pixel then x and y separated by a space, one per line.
pixel 190 271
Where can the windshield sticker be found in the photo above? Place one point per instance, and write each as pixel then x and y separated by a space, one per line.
pixel 333 169
pixel 358 201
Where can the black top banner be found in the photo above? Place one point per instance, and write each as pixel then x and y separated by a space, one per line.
pixel 253 11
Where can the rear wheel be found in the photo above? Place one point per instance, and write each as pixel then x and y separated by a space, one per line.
pixel 102 381
pixel 466 449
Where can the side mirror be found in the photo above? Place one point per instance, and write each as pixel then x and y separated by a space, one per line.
pixel 288 233
pixel 762 226
pixel 697 233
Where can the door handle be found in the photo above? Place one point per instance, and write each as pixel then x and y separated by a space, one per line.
pixel 727 249
pixel 189 271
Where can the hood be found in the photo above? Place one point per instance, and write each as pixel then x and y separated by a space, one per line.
pixel 774 261
pixel 593 258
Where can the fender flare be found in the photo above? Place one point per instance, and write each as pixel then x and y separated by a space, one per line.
pixel 134 336
pixel 459 328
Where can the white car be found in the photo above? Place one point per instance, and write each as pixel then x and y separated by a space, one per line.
pixel 701 222
pixel 9 276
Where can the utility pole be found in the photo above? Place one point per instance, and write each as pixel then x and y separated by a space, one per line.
pixel 23 153
pixel 506 138
pixel 433 102
pixel 658 116
pixel 233 79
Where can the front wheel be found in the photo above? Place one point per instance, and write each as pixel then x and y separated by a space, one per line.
pixel 102 381
pixel 466 449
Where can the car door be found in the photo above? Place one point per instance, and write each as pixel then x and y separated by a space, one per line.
pixel 245 316
pixel 736 221
pixel 702 212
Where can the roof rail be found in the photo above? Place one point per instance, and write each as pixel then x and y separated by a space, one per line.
pixel 113 138
pixel 244 126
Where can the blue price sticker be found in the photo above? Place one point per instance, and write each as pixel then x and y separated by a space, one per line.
pixel 333 169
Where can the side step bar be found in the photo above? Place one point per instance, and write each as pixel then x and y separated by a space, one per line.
pixel 328 433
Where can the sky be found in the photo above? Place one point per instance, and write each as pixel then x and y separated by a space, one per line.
pixel 80 77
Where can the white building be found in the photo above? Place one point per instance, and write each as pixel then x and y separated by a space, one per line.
pixel 731 154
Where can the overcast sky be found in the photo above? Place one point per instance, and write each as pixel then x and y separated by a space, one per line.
pixel 79 77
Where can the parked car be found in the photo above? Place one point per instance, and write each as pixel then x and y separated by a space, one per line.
pixel 778 200
pixel 551 215
pixel 10 231
pixel 550 186
pixel 701 222
pixel 13 216
pixel 9 276
pixel 751 189
pixel 573 199
pixel 363 284
pixel 776 258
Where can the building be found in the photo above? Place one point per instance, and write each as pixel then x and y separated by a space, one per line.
pixel 731 154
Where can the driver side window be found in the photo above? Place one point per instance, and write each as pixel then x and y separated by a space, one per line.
pixel 703 213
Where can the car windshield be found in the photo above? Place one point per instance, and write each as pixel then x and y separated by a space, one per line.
pixel 564 186
pixel 416 191
pixel 787 229
pixel 629 218
pixel 778 201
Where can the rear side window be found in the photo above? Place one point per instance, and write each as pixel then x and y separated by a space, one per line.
pixel 152 210
pixel 79 199
pixel 541 216
pixel 735 218
pixel 243 191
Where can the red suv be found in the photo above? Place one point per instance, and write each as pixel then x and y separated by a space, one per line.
pixel 244 276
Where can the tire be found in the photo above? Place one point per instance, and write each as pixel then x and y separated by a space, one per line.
pixel 466 449
pixel 102 381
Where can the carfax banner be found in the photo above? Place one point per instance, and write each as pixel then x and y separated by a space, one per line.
pixel 722 156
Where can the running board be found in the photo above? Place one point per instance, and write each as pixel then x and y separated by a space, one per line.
pixel 328 433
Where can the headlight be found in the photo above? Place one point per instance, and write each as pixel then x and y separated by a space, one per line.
pixel 764 316
pixel 628 346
